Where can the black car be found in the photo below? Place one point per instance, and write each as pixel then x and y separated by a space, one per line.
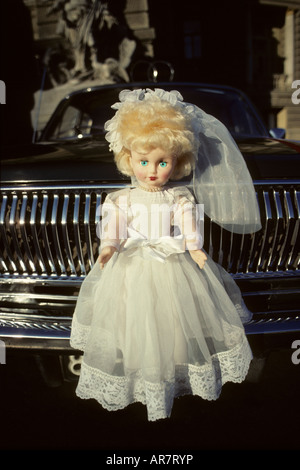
pixel 50 192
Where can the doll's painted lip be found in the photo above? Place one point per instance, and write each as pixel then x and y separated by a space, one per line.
pixel 152 178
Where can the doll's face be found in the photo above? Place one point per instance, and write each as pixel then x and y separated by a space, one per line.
pixel 152 169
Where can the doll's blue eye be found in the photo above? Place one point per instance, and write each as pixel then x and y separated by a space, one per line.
pixel 163 164
pixel 144 163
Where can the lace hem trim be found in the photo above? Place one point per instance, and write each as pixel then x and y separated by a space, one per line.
pixel 115 392
pixel 79 334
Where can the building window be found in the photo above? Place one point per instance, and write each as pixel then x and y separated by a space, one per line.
pixel 192 39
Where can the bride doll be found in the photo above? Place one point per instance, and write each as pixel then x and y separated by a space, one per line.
pixel 156 318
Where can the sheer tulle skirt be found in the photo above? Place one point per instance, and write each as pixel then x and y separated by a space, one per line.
pixel 153 331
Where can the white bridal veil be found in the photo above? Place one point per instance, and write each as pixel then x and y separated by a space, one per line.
pixel 220 180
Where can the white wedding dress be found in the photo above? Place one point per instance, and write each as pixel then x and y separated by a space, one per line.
pixel 153 325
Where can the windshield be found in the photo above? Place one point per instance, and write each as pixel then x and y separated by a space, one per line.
pixel 85 114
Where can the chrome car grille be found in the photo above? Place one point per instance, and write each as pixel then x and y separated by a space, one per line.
pixel 275 249
pixel 50 232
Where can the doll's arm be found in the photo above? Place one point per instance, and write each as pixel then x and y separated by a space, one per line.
pixel 190 222
pixel 113 230
pixel 199 257
pixel 105 255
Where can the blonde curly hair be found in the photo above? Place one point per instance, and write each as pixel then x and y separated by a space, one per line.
pixel 146 125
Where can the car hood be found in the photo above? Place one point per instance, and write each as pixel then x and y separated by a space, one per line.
pixel 81 161
pixel 270 158
pixel 89 161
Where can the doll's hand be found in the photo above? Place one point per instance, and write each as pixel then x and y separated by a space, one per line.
pixel 105 255
pixel 199 257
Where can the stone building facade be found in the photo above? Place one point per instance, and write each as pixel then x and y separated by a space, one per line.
pixel 287 82
pixel 251 44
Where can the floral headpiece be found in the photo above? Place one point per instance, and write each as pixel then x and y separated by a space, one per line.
pixel 128 96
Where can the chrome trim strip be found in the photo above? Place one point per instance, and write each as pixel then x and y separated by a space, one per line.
pixel 14 226
pixel 24 205
pixel 113 186
pixel 45 239
pixel 283 255
pixel 87 231
pixel 296 238
pixel 65 232
pixel 266 231
pixel 54 221
pixel 62 187
pixel 4 236
pixel 78 244
pixel 35 238
pixel 14 333
pixel 271 263
pixel 30 296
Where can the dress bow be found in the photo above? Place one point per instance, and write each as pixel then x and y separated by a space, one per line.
pixel 159 249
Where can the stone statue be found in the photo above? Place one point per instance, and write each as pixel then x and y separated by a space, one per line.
pixel 100 43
